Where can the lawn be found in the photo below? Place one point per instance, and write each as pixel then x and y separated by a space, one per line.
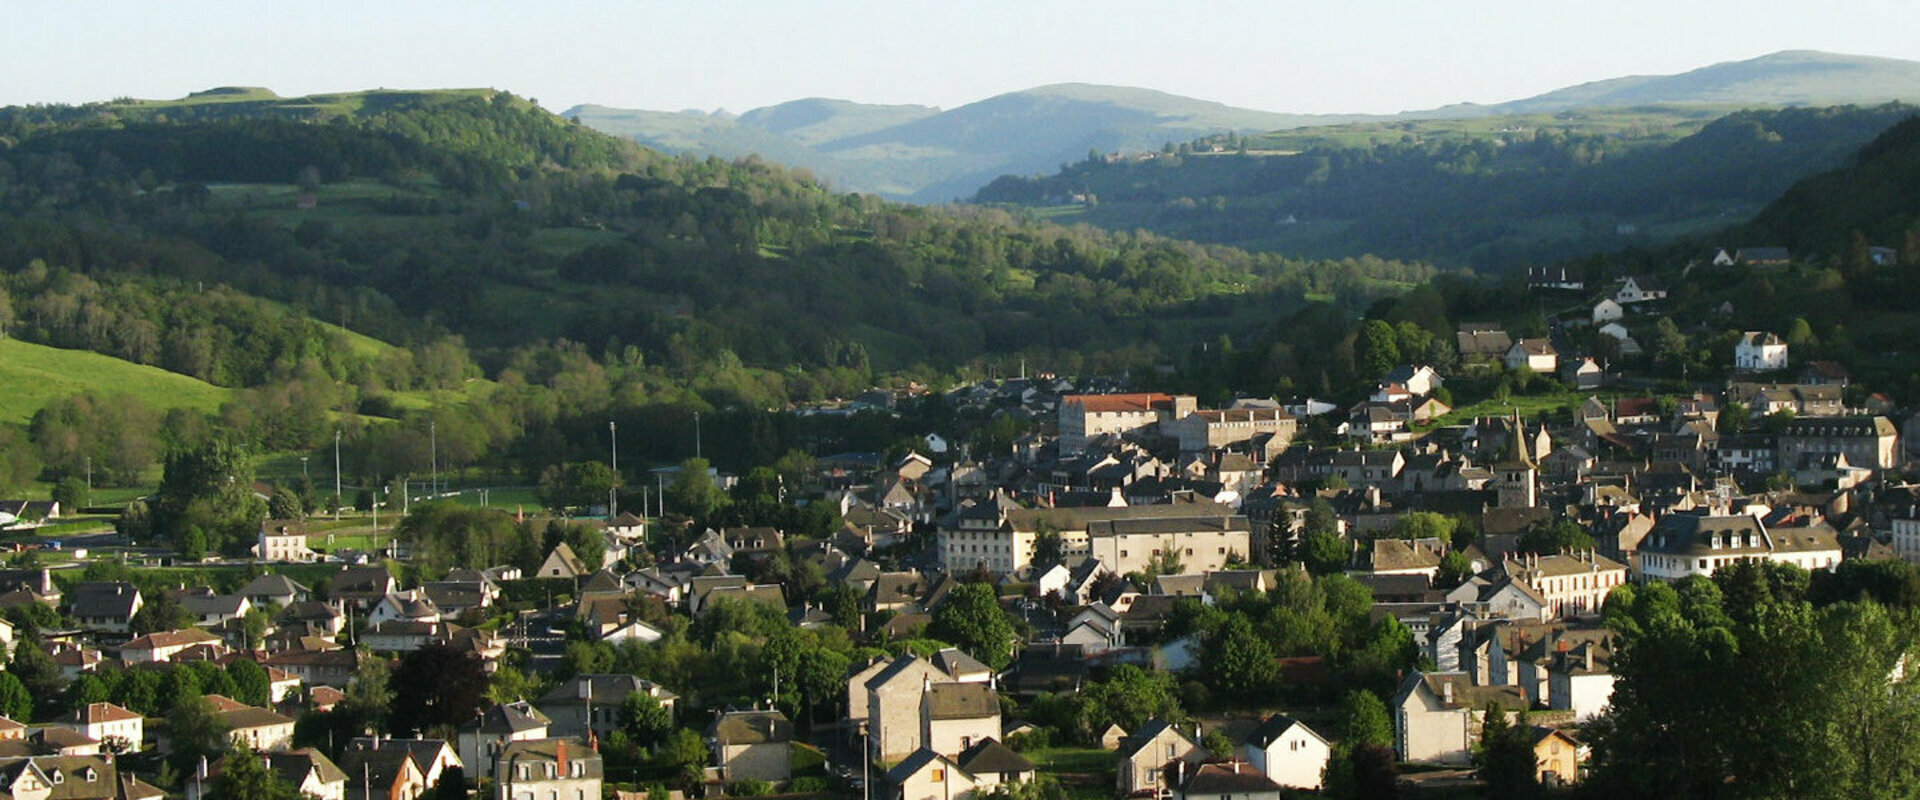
pixel 1529 406
pixel 36 375
pixel 1086 773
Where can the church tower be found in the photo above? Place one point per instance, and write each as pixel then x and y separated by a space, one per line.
pixel 1516 473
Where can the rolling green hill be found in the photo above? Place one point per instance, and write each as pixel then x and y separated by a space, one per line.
pixel 36 374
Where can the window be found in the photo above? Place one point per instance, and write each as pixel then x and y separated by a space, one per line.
pixel 939 774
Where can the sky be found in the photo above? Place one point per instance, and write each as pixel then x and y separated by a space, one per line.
pixel 1328 56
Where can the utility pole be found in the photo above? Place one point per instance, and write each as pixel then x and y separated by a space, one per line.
pixel 337 499
pixel 433 455
pixel 696 434
pixel 613 494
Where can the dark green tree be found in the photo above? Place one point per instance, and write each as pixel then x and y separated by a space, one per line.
pixel 1504 756
pixel 196 731
pixel 16 703
pixel 645 721
pixel 1238 662
pixel 245 775
pixel 973 620
pixel 436 688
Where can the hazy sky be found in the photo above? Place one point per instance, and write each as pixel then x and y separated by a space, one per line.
pixel 1279 55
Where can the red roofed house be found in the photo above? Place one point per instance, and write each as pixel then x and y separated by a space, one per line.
pixel 102 721
pixel 163 646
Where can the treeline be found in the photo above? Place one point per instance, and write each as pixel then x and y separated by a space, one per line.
pixel 1829 659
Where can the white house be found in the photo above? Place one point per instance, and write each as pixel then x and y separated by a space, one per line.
pixel 1535 354
pixel 1759 351
pixel 1607 310
pixel 1289 752
pixel 284 540
pixel 1639 289
pixel 1420 380
pixel 102 721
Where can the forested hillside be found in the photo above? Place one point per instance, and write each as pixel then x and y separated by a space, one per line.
pixel 528 279
pixel 1493 194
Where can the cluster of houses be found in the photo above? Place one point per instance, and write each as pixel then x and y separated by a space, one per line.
pixel 1660 491
pixel 520 750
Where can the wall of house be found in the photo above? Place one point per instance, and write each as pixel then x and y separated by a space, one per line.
pixel 1144 772
pixel 1585 695
pixel 1296 759
pixel 763 761
pixel 949 737
pixel 1200 551
pixel 1554 757
pixel 541 789
pixel 266 738
pixel 939 782
pixel 894 714
pixel 1426 731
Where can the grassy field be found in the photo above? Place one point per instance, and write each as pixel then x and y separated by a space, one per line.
pixel 36 375
pixel 1086 773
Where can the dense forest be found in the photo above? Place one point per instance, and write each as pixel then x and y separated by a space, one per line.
pixel 1497 201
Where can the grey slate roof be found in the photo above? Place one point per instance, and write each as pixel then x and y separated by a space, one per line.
pixel 751 727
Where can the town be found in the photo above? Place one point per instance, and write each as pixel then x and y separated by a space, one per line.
pixel 1124 594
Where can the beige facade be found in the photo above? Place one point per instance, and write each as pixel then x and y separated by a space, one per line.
pixel 1124 539
pixel 926 775
pixel 1574 585
pixel 1145 755
pixel 956 716
pixel 1083 417
pixel 894 698
pixel 1213 429
pixel 1438 715
pixel 547 769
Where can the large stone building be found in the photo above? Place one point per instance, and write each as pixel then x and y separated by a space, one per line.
pixel 1086 416
pixel 1210 429
pixel 1700 544
pixel 1573 584
pixel 1870 442
pixel 1001 536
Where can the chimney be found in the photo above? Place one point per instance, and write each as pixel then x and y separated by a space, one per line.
pixel 1446 693
pixel 560 755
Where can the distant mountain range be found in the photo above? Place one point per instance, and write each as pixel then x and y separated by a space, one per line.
pixel 925 154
